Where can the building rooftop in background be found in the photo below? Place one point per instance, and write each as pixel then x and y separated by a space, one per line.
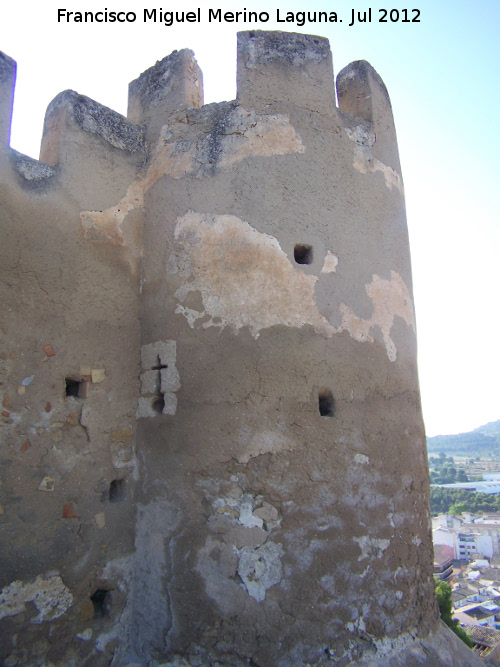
pixel 486 640
pixel 443 561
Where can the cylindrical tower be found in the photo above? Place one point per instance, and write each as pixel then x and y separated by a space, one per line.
pixel 285 475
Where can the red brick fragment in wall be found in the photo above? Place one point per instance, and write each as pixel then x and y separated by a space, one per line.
pixel 49 350
pixel 26 446
pixel 69 511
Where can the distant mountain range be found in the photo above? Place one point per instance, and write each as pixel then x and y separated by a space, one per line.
pixel 481 442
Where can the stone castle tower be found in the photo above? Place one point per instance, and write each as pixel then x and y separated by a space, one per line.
pixel 212 448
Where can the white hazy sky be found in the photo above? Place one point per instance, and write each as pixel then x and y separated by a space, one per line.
pixel 443 79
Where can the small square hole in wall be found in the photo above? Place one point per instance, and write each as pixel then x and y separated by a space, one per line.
pixel 158 404
pixel 117 491
pixel 326 403
pixel 77 388
pixel 302 253
pixel 101 601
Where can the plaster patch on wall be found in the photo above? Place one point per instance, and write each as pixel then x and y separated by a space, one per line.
pixel 159 380
pixel 246 516
pixel 250 444
pixel 49 595
pixel 190 315
pixel 371 547
pixel 361 136
pixel 123 458
pixel 269 514
pixel 174 159
pixel 240 527
pixel 370 165
pixel 390 298
pixel 243 510
pixel 244 277
pixel 251 134
pixel 246 134
pixel 330 263
pixel 364 161
pixel 106 225
pixel 260 568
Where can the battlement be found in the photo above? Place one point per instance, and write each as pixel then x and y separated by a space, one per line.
pixel 274 66
pixel 274 69
pixel 69 111
pixel 362 93
pixel 176 81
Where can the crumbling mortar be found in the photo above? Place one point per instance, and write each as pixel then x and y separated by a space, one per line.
pixel 33 174
pixel 152 83
pixel 84 427
pixel 7 67
pixel 220 128
pixel 263 48
pixel 110 125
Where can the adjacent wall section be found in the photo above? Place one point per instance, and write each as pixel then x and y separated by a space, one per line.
pixel 69 380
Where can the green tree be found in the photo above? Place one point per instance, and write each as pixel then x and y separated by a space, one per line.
pixel 443 594
pixel 448 474
pixel 457 508
pixel 443 499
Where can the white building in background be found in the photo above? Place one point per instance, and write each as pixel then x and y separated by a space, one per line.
pixel 449 521
pixel 490 486
pixel 473 543
pixel 470 537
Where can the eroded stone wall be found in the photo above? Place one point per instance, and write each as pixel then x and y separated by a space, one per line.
pixel 212 443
